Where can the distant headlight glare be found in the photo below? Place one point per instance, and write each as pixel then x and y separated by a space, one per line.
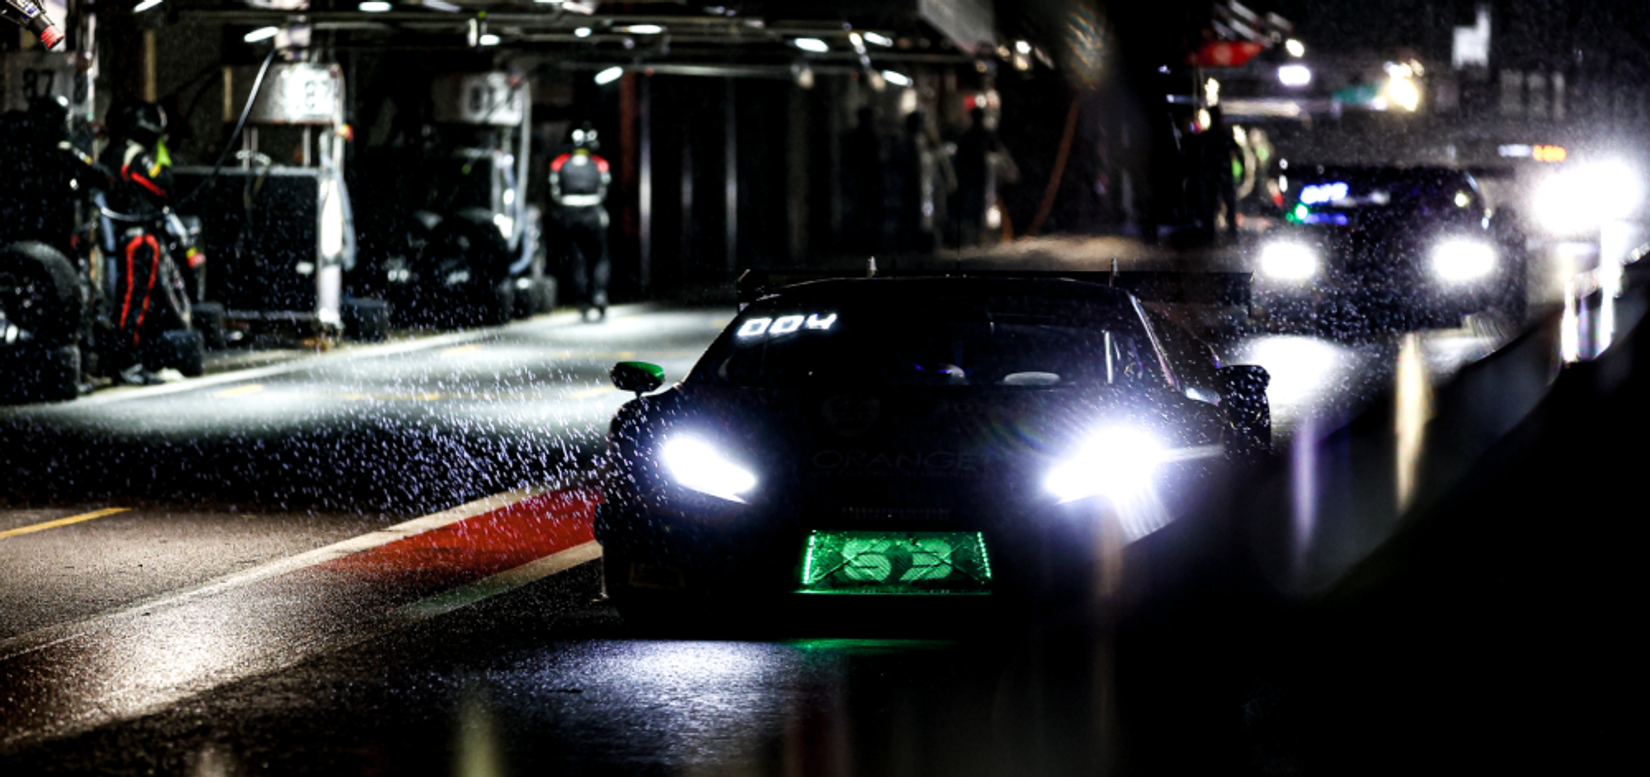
pixel 1112 463
pixel 1461 260
pixel 1579 199
pixel 700 466
pixel 1288 261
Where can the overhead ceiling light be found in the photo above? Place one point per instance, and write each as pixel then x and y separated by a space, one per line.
pixel 261 34
pixel 1295 47
pixel 609 75
pixel 815 45
pixel 582 32
pixel 146 5
pixel 896 78
pixel 880 40
pixel 489 39
pixel 374 6
pixel 439 5
pixel 643 29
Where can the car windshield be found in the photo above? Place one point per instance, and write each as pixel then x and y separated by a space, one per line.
pixel 1019 342
pixel 1387 189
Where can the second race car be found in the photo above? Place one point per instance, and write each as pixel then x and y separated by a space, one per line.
pixel 912 437
pixel 1389 248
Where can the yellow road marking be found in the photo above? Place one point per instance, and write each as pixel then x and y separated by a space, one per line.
pixel 460 350
pixel 62 521
pixel 591 392
pixel 239 391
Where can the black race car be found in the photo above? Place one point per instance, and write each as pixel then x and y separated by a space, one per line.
pixel 911 437
pixel 1389 247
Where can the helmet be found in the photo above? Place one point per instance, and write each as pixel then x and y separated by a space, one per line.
pixel 585 138
pixel 141 123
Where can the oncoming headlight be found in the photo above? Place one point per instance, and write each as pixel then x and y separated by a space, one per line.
pixel 700 466
pixel 1288 261
pixel 1113 463
pixel 1579 199
pixel 1462 259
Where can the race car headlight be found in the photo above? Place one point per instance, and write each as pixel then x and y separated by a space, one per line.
pixel 1462 259
pixel 700 466
pixel 1288 261
pixel 1112 463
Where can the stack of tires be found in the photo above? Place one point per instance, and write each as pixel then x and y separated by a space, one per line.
pixel 43 306
pixel 465 274
pixel 52 340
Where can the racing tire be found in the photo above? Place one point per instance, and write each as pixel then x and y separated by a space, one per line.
pixel 210 319
pixel 367 320
pixel 40 293
pixel 501 309
pixel 468 244
pixel 642 610
pixel 41 374
pixel 183 350
pixel 543 296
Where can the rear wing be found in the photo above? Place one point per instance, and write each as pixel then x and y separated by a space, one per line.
pixel 1216 289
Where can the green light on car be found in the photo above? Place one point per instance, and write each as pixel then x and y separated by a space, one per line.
pixel 877 562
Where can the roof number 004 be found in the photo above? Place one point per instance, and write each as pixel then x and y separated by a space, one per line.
pixel 785 325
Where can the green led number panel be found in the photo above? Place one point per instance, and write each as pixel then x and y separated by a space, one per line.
pixel 882 562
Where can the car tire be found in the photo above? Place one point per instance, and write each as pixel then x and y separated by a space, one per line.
pixel 543 296
pixel 467 242
pixel 41 293
pixel 183 350
pixel 501 308
pixel 643 610
pixel 41 373
pixel 367 320
pixel 210 319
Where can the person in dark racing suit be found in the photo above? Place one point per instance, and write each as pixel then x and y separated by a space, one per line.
pixel 578 186
pixel 147 294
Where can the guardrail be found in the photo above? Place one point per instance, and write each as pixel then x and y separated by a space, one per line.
pixel 1329 502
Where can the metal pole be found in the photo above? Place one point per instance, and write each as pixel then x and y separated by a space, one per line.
pixel 731 178
pixel 644 99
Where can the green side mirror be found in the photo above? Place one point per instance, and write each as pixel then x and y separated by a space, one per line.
pixel 638 377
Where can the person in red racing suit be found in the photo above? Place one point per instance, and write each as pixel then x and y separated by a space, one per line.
pixel 146 295
pixel 578 186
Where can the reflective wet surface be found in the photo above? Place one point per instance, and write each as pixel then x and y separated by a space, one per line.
pixel 179 637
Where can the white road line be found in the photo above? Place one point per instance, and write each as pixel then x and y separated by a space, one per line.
pixel 503 582
pixel 35 640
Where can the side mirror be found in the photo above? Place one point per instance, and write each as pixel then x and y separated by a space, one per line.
pixel 1243 397
pixel 637 377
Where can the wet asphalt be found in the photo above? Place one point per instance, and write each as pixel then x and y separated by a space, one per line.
pixel 247 471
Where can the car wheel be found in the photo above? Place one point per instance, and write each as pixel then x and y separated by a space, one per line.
pixel 40 293
pixel 640 608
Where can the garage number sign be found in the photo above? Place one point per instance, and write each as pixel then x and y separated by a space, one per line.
pixel 35 75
